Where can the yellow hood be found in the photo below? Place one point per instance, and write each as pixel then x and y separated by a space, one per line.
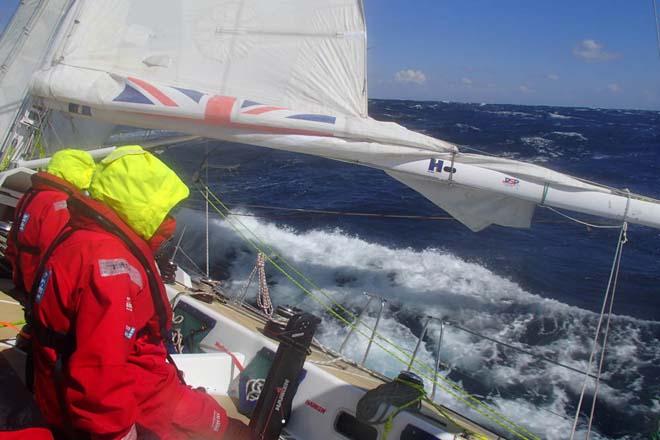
pixel 138 187
pixel 74 166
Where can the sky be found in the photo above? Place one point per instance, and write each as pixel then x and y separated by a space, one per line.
pixel 592 53
pixel 595 53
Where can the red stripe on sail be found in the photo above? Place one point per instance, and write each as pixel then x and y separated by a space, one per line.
pixel 153 91
pixel 260 110
pixel 218 109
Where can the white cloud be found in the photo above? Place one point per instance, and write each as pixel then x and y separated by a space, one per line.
pixel 552 76
pixel 614 88
pixel 525 89
pixel 467 81
pixel 410 76
pixel 592 50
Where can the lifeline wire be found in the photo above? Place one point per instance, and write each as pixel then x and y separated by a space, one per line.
pixel 456 391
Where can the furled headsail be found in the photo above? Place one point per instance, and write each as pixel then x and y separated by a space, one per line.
pixel 290 75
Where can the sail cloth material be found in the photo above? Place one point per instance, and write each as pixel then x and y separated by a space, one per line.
pixel 23 45
pixel 289 75
pixel 306 55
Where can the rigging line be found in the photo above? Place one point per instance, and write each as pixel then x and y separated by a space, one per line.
pixel 598 326
pixel 349 213
pixel 199 270
pixel 178 243
pixel 305 212
pixel 229 207
pixel 591 225
pixel 458 393
pixel 607 330
pixel 302 215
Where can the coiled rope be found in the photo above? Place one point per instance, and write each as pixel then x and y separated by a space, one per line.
pixel 263 296
pixel 333 308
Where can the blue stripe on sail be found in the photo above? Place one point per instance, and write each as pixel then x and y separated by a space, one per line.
pixel 192 94
pixel 130 94
pixel 315 118
pixel 248 103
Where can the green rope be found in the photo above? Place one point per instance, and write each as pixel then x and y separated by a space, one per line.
pixel 9 323
pixel 390 419
pixel 6 158
pixel 451 388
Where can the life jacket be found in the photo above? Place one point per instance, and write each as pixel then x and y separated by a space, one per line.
pixel 41 181
pixel 105 217
pixel 64 343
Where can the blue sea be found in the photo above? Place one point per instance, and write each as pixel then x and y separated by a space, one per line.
pixel 540 289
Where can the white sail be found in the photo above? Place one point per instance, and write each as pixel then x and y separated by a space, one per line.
pixel 23 45
pixel 308 55
pixel 288 75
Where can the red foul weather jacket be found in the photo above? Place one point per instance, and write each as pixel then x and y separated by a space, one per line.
pixel 116 380
pixel 40 215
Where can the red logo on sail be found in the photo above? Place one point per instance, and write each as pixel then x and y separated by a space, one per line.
pixel 510 181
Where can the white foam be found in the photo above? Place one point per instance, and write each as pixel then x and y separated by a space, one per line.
pixel 572 134
pixel 558 116
pixel 467 127
pixel 545 147
pixel 437 283
pixel 507 113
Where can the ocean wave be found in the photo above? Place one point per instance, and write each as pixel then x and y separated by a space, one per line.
pixel 554 115
pixel 467 127
pixel 571 134
pixel 546 148
pixel 434 282
pixel 508 113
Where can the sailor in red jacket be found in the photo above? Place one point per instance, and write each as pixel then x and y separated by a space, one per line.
pixel 41 213
pixel 101 315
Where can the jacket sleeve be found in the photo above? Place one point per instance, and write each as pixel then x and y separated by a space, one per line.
pixel 101 393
